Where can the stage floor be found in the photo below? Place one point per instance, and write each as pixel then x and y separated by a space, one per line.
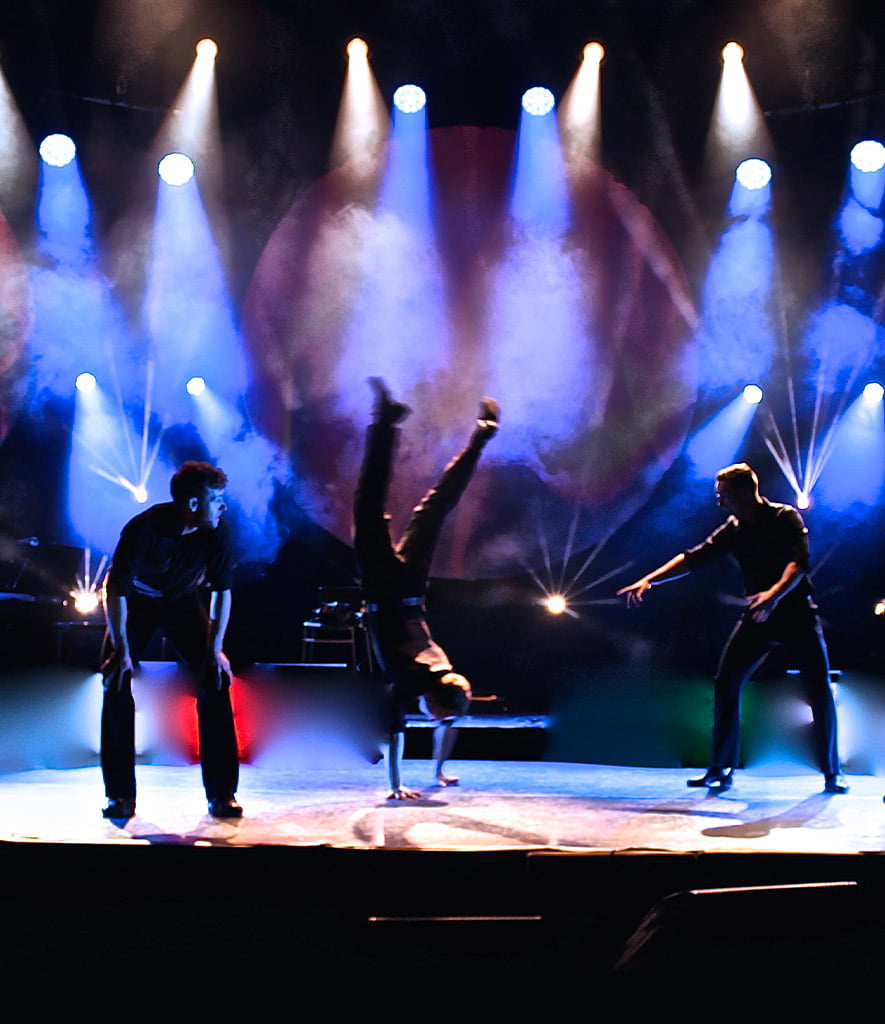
pixel 500 805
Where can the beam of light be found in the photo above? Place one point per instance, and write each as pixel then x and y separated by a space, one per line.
pixel 363 124
pixel 409 99
pixel 85 382
pixel 737 125
pixel 401 278
pixel 841 343
pixel 176 168
pixel 86 593
pixel 64 215
pixel 737 336
pixel 57 150
pixel 538 101
pixel 861 229
pixel 579 108
pixel 561 591
pixel 112 469
pixel 867 175
pixel 855 468
pixel 534 284
pixel 18 161
pixel 718 442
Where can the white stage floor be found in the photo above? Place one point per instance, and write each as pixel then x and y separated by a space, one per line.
pixel 501 805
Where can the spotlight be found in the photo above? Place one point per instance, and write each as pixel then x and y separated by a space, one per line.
pixel 195 386
pixel 357 48
pixel 85 601
pixel 537 101
pixel 176 169
pixel 873 392
pixel 803 500
pixel 140 494
pixel 752 394
pixel 57 150
pixel 409 99
pixel 556 604
pixel 868 156
pixel 879 607
pixel 732 53
pixel 207 49
pixel 85 382
pixel 753 174
pixel 594 53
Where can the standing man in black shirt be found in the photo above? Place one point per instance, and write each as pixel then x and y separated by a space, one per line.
pixel 166 558
pixel 770 543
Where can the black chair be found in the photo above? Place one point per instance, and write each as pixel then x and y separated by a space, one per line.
pixel 338 624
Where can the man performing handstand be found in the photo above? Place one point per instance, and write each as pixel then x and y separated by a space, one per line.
pixel 770 543
pixel 394 580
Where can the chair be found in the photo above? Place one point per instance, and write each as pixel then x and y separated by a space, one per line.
pixel 338 623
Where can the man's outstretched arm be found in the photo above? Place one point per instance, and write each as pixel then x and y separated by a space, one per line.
pixel 671 570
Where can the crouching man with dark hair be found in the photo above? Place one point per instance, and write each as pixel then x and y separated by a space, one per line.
pixel 166 560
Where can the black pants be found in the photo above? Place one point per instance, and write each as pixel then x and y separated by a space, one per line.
pixel 394 576
pixel 186 625
pixel 745 650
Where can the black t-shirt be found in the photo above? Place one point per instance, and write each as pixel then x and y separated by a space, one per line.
pixel 762 549
pixel 153 558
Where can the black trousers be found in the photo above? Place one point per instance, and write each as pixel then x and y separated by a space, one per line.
pixel 745 650
pixel 185 623
pixel 394 576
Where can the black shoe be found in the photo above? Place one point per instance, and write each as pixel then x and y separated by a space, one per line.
pixel 714 778
pixel 225 808
pixel 489 414
pixel 385 409
pixel 119 808
pixel 835 783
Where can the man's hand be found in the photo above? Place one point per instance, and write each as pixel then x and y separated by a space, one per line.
pixel 761 605
pixel 636 591
pixel 114 670
pixel 401 793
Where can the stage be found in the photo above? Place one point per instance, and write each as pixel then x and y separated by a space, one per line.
pixel 499 805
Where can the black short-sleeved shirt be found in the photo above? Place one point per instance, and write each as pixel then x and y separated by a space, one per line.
pixel 762 549
pixel 155 559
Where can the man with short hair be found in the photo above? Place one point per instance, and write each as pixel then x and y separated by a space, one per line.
pixel 394 580
pixel 166 558
pixel 770 544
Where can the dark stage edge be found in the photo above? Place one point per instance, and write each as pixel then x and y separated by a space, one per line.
pixel 155 910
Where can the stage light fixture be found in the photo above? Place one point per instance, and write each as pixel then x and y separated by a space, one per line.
pixel 140 494
pixel 176 169
pixel 57 150
pixel 195 386
pixel 594 53
pixel 879 607
pixel 873 392
pixel 752 394
pixel 207 49
pixel 868 156
pixel 537 101
pixel 85 382
pixel 357 48
pixel 803 499
pixel 753 174
pixel 732 53
pixel 556 604
pixel 409 99
pixel 85 601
